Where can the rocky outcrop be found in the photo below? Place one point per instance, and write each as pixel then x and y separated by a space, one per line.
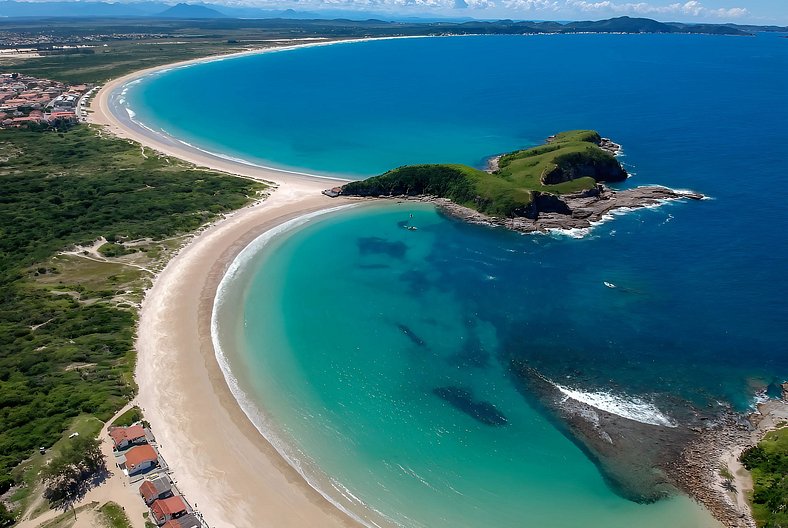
pixel 631 455
pixel 570 211
pixel 699 470
pixel 573 166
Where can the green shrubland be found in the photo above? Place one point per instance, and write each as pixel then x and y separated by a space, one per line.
pixel 570 162
pixel 768 462
pixel 65 347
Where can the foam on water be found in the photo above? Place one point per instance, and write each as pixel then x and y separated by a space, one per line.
pixel 627 407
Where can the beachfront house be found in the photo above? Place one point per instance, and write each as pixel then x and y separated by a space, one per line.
pixel 187 521
pixel 158 488
pixel 141 458
pixel 123 437
pixel 164 510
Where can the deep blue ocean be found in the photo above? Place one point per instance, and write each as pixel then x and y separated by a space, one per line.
pixel 344 329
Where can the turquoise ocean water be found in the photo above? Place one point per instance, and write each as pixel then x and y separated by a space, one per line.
pixel 341 331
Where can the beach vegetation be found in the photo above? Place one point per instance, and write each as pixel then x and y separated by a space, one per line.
pixel 73 470
pixel 67 320
pixel 768 463
pixel 6 517
pixel 128 418
pixel 571 162
pixel 111 249
pixel 114 516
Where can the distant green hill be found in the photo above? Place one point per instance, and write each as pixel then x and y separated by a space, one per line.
pixel 570 162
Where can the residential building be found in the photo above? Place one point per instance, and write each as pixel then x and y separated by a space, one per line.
pixel 187 521
pixel 158 488
pixel 140 458
pixel 122 437
pixel 164 510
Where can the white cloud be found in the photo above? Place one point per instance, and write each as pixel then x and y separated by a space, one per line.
pixel 532 5
pixel 691 8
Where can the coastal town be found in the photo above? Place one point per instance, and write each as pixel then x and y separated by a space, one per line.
pixel 137 457
pixel 26 100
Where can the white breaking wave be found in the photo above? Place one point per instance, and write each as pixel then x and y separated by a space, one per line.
pixel 630 408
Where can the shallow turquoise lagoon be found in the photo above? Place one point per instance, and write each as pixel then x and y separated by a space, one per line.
pixel 340 332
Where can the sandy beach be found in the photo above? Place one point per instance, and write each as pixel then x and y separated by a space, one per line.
pixel 220 461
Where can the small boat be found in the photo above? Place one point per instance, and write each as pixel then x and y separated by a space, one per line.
pixel 610 285
pixel 411 228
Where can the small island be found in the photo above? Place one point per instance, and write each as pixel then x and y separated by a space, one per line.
pixel 558 185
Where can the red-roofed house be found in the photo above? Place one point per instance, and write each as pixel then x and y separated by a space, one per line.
pixel 168 509
pixel 187 521
pixel 123 437
pixel 153 490
pixel 141 458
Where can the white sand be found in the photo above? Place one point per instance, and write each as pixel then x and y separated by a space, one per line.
pixel 220 461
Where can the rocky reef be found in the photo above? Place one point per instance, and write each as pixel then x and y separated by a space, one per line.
pixel 581 210
pixel 697 454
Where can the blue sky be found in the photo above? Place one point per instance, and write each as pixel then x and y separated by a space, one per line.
pixel 718 11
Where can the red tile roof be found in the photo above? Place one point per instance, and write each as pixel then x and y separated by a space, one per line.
pixel 148 491
pixel 119 434
pixel 139 455
pixel 171 506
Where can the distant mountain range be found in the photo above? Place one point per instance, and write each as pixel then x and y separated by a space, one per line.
pixel 185 11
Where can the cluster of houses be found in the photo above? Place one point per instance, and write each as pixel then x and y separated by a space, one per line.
pixel 136 457
pixel 25 99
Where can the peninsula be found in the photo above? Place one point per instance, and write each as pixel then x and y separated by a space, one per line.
pixel 558 185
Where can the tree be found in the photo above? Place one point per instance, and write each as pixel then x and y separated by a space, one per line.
pixel 72 472
pixel 6 517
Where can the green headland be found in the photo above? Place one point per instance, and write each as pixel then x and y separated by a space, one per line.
pixel 570 162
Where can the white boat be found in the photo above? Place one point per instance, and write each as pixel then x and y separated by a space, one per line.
pixel 610 285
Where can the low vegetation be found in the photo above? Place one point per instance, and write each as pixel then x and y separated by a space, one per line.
pixel 128 418
pixel 70 474
pixel 114 516
pixel 570 162
pixel 67 320
pixel 768 462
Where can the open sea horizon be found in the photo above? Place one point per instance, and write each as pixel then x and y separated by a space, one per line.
pixel 343 334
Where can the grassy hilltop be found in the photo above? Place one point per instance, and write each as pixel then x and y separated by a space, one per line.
pixel 570 162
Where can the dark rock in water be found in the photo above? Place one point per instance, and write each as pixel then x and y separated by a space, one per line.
pixel 373 245
pixel 636 459
pixel 409 333
pixel 462 400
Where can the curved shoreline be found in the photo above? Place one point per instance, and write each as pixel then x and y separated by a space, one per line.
pixel 217 454
pixel 123 126
pixel 239 267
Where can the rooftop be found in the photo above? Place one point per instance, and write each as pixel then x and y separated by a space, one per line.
pixel 119 434
pixel 150 489
pixel 187 521
pixel 171 506
pixel 140 454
